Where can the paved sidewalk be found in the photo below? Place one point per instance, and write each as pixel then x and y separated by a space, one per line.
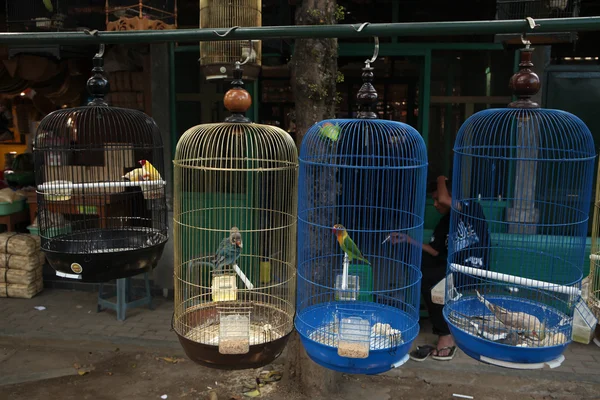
pixel 72 316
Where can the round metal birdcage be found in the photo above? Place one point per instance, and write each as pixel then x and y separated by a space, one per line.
pixel 102 211
pixel 218 57
pixel 521 197
pixel 361 180
pixel 234 238
pixel 593 299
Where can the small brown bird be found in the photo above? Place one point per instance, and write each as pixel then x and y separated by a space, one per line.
pixel 529 324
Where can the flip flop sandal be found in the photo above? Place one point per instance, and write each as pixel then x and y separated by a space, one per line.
pixel 449 357
pixel 421 352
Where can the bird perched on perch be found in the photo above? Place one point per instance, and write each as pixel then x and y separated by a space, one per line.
pixel 229 250
pixel 135 175
pixel 347 244
pixel 529 324
pixel 150 172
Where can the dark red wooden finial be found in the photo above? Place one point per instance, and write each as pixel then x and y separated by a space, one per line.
pixel 525 83
pixel 237 99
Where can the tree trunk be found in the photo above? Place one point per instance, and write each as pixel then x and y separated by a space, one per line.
pixel 314 68
pixel 314 73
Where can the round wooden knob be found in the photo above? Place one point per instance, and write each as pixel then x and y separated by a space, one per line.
pixel 525 83
pixel 237 100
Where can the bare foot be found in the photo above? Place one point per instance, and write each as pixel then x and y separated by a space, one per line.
pixel 444 342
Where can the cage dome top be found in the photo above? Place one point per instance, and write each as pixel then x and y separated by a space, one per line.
pixel 97 124
pixel 364 142
pixel 555 135
pixel 237 137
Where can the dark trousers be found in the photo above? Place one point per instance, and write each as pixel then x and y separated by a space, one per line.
pixel 431 276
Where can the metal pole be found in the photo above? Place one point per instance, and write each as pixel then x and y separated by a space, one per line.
pixel 306 31
pixel 424 108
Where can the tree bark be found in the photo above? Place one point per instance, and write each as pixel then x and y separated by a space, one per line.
pixel 314 73
pixel 314 68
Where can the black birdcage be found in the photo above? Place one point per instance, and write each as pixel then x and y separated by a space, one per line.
pixel 520 9
pixel 101 198
pixel 37 15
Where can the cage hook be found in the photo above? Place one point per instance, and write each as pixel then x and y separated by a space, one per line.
pixel 375 53
pixel 233 28
pixel 102 46
pixel 361 27
pixel 249 55
pixel 532 26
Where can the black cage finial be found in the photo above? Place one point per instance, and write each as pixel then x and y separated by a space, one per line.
pixel 98 85
pixel 367 95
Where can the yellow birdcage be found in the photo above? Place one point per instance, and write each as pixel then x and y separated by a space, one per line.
pixel 234 237
pixel 593 299
pixel 217 58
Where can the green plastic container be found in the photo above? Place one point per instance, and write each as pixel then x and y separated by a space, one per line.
pixel 365 280
pixel 7 208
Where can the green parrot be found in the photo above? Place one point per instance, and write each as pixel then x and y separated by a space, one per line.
pixel 347 244
pixel 48 5
pixel 229 249
pixel 330 131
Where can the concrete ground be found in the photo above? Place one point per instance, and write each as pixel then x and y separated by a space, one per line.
pixel 68 350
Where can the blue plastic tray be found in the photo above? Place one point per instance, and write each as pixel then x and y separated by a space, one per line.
pixel 378 361
pixel 475 346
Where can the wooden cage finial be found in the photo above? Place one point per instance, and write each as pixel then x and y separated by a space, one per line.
pixel 367 95
pixel 237 100
pixel 98 85
pixel 525 83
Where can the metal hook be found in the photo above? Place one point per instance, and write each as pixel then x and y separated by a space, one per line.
pixel 233 28
pixel 250 49
pixel 375 53
pixel 532 26
pixel 361 27
pixel 102 47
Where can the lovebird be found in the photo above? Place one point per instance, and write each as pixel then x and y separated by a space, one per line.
pixel 149 171
pixel 229 249
pixel 135 175
pixel 520 321
pixel 347 244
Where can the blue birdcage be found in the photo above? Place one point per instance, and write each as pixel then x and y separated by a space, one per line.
pixel 358 295
pixel 520 204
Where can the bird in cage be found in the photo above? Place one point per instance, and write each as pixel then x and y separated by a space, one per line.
pixel 347 244
pixel 529 324
pixel 135 175
pixel 48 5
pixel 229 250
pixel 150 173
pixel 486 326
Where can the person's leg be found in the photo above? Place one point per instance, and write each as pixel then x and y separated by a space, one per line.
pixel 431 277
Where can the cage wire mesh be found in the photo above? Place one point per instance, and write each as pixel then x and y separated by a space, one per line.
pixel 102 211
pixel 594 276
pixel 520 9
pixel 520 202
pixel 235 211
pixel 218 56
pixel 358 295
pixel 36 15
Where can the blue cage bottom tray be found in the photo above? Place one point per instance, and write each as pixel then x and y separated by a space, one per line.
pixel 474 346
pixel 318 327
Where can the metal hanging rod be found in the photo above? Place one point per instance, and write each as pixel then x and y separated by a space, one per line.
pixel 307 31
